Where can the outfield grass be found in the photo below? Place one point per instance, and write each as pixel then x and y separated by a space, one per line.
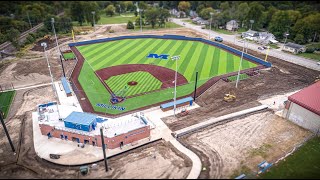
pixel 195 56
pixel 146 82
pixel 6 99
pixel 303 164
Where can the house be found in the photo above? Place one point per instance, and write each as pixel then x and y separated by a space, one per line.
pixel 193 14
pixel 303 108
pixel 232 25
pixel 294 48
pixel 259 37
pixel 178 14
pixel 252 35
pixel 195 20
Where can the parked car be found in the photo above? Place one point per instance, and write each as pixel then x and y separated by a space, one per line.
pixel 219 39
pixel 260 48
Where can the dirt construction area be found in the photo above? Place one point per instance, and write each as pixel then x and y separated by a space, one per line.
pixel 226 150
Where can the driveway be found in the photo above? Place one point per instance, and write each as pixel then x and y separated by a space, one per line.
pixel 272 52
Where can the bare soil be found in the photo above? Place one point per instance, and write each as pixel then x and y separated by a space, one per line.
pixel 156 160
pixel 229 149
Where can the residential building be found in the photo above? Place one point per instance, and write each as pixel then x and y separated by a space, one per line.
pixel 232 25
pixel 294 48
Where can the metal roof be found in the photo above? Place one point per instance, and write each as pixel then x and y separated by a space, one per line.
pixel 180 101
pixel 308 98
pixel 80 118
pixel 65 85
pixel 293 45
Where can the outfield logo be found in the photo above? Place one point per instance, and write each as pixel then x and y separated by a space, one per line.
pixel 161 56
pixel 120 108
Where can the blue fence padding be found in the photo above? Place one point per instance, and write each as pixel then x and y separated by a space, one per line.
pixel 241 176
pixel 65 85
pixel 176 37
pixel 180 101
pixel 261 163
pixel 48 104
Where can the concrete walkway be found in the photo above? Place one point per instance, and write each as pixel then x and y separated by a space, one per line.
pixel 312 64
pixel 27 87
pixel 164 131
pixel 216 120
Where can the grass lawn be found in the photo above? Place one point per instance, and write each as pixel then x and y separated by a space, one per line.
pixel 5 101
pixel 208 60
pixel 303 164
pixel 187 20
pixel 313 56
pixel 242 76
pixel 156 27
pixel 116 19
pixel 68 55
pixel 223 31
pixel 146 82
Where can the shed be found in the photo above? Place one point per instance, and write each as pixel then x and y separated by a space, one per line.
pixel 81 121
pixel 179 103
pixel 303 107
pixel 66 86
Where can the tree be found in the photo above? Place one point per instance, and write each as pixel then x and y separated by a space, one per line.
pixel 110 10
pixel 130 6
pixel 152 15
pixel 130 25
pixel 137 21
pixel 77 10
pixel 205 13
pixel 242 13
pixel 13 36
pixel 184 6
pixel 164 14
pixel 280 23
pixel 255 14
pixel 299 39
pixel 91 6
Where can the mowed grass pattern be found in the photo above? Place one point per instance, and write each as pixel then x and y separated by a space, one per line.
pixel 195 56
pixel 208 60
pixel 146 82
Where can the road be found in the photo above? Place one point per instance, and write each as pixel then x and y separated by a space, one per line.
pixel 272 52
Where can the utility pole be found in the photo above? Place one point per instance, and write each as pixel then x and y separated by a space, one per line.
pixel 6 131
pixel 210 24
pixel 175 58
pixel 54 31
pixel 103 149
pixel 287 34
pixel 139 11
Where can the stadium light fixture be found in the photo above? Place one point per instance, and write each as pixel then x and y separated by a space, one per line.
pixel 286 34
pixel 175 58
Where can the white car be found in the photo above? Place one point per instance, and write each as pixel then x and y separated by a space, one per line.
pixel 318 63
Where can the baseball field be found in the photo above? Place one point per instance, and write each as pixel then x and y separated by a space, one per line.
pixel 101 75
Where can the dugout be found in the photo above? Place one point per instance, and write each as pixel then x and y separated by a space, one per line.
pixel 66 86
pixel 179 103
pixel 81 121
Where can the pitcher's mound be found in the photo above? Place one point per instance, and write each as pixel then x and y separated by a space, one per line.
pixel 132 83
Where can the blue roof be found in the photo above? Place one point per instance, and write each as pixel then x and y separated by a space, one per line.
pixel 180 101
pixel 65 85
pixel 80 118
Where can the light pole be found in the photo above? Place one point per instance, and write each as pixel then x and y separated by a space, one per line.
pixel 44 45
pixel 287 34
pixel 175 58
pixel 240 63
pixel 138 10
pixel 54 31
pixel 210 24
pixel 94 26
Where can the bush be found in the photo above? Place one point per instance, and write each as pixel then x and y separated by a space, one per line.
pixel 130 25
pixel 111 31
pixel 310 50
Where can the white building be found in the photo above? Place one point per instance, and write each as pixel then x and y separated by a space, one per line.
pixel 294 48
pixel 232 25
pixel 303 108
